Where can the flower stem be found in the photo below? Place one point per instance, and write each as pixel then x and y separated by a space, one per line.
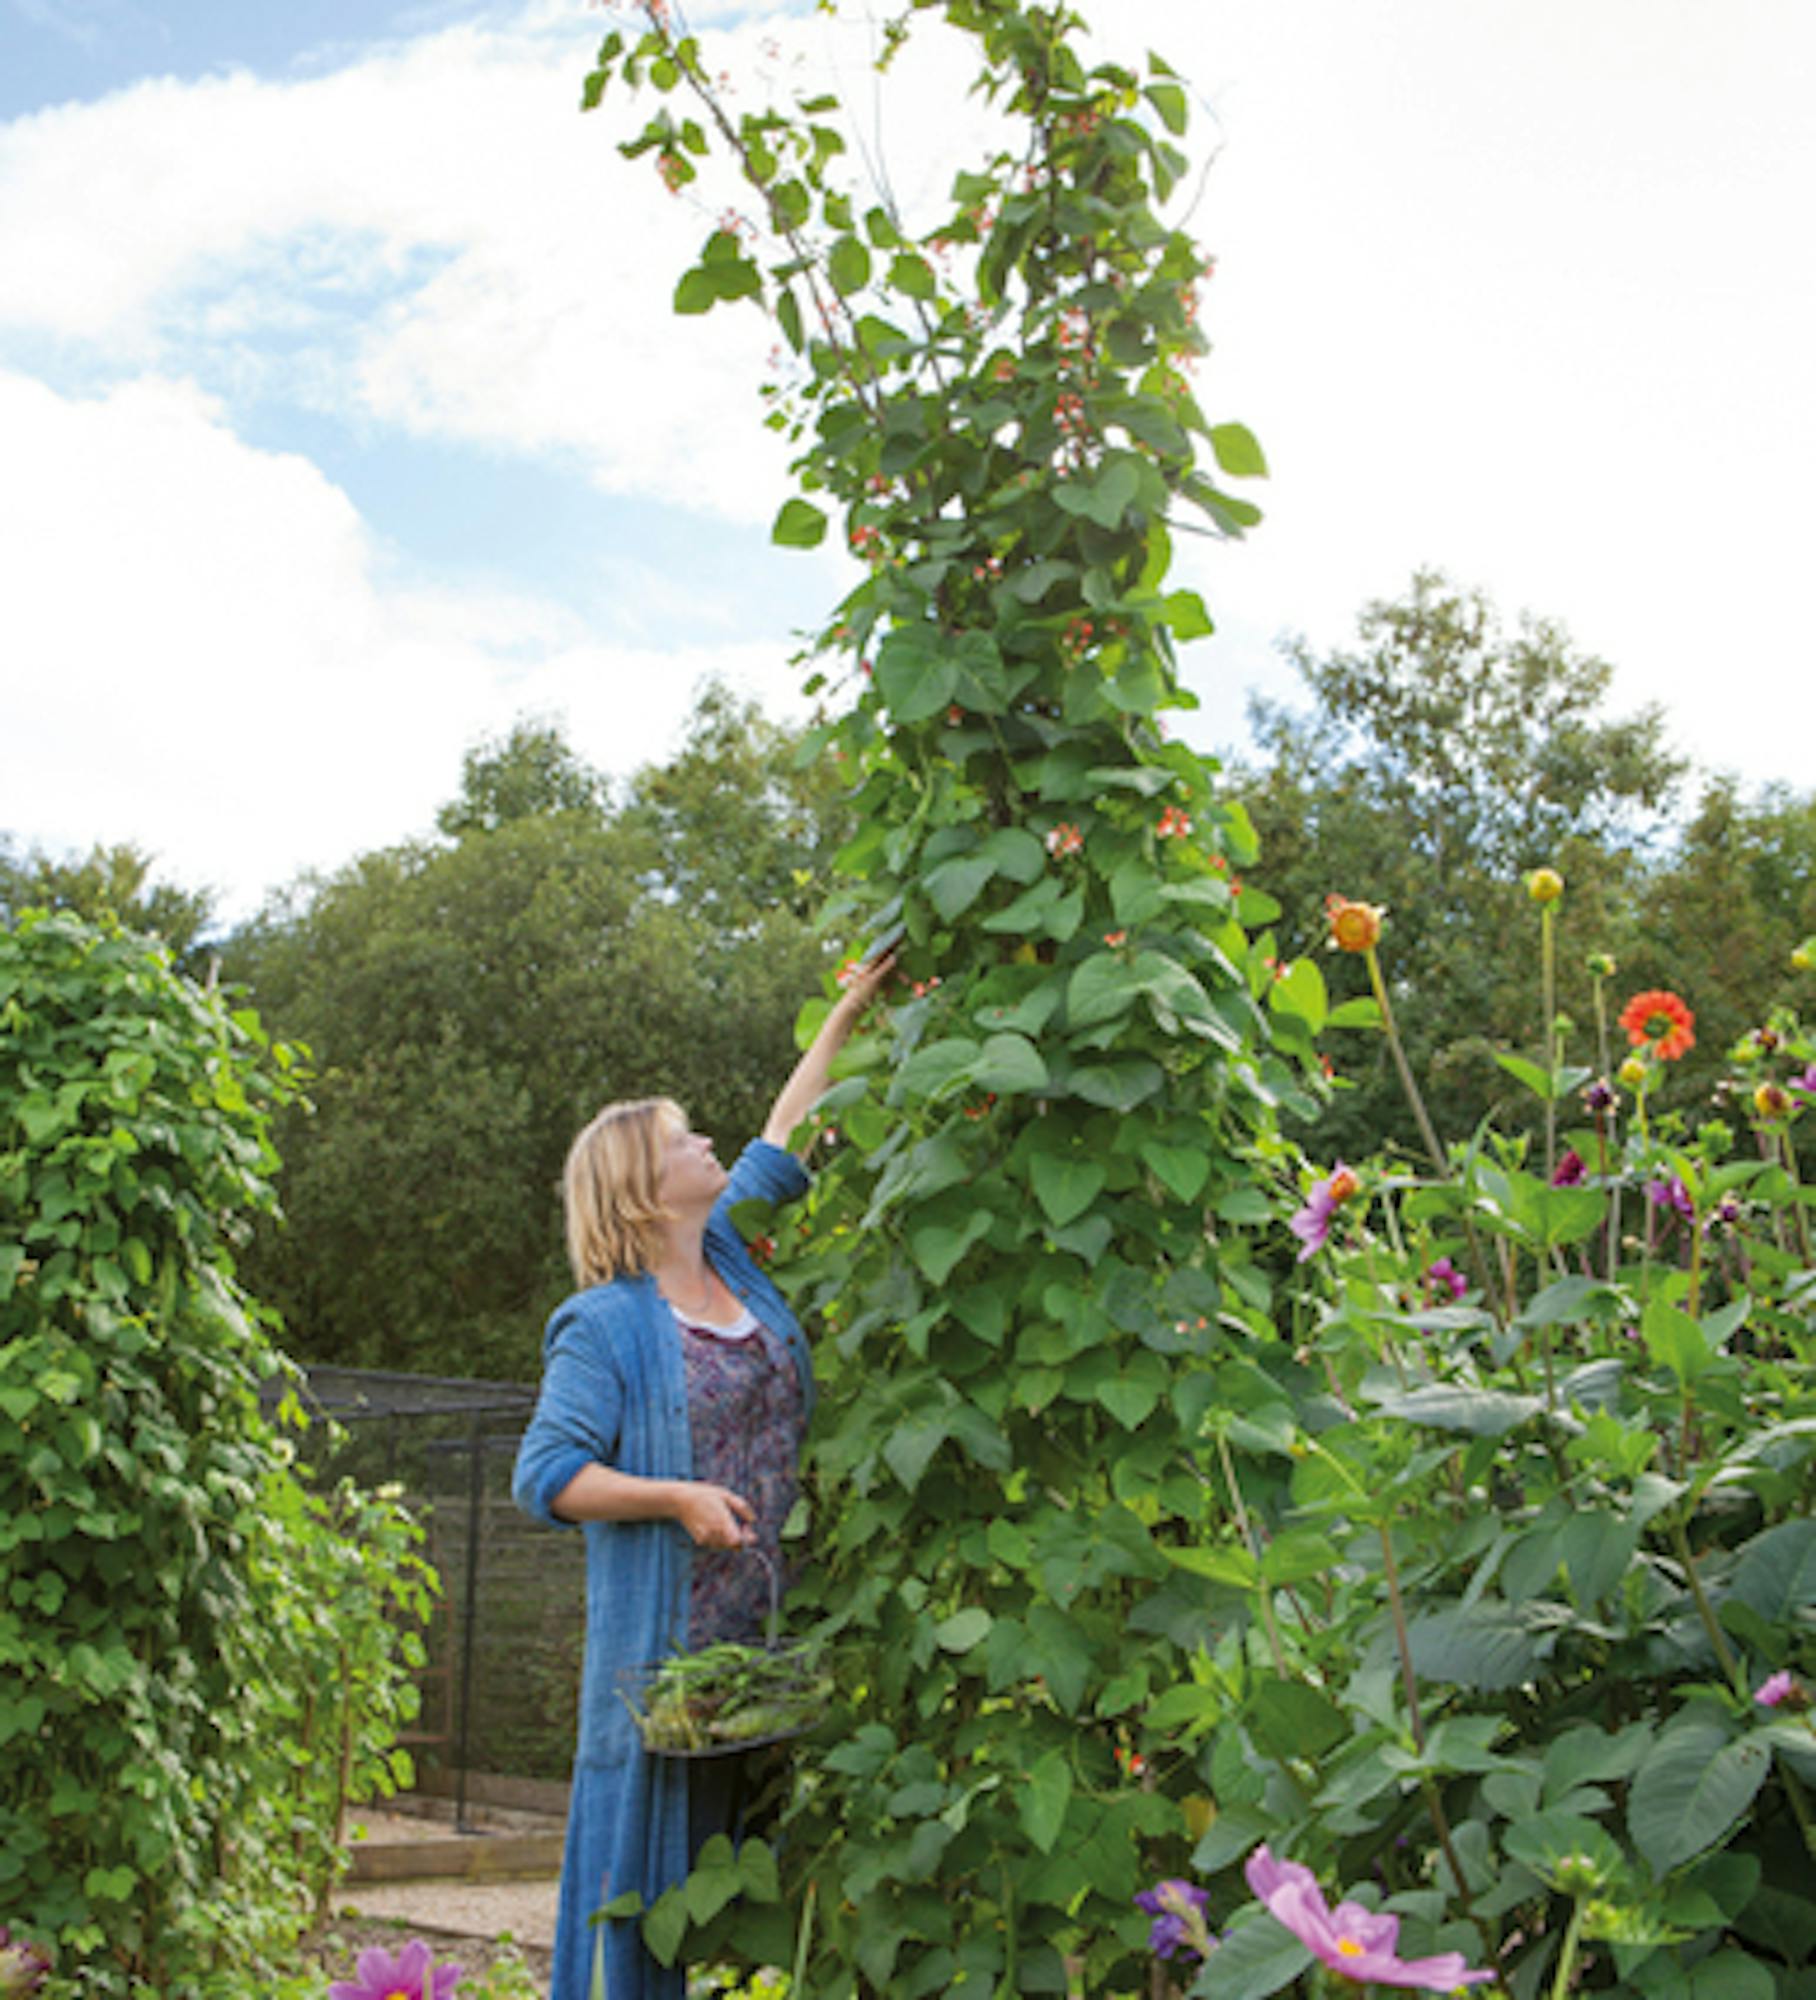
pixel 1548 991
pixel 1800 1215
pixel 1410 1680
pixel 1566 1958
pixel 1263 1594
pixel 1426 1130
pixel 1680 1540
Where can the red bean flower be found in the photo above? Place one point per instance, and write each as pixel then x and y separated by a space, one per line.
pixel 1356 1942
pixel 1660 1020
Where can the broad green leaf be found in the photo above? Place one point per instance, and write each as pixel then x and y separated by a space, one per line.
pixel 1448 1406
pixel 964 1629
pixel 1362 1013
pixel 1298 1555
pixel 955 885
pixel 1120 1086
pixel 1225 1564
pixel 1487 1646
pixel 800 525
pixel 1130 1398
pixel 1295 1720
pixel 1692 1788
pixel 1043 1804
pixel 848 266
pixel 1065 1186
pixel 1183 1169
pixel 940 1066
pixel 1776 1572
pixel 1674 1338
pixel 1185 613
pixel 1257 1957
pixel 909 1448
pixel 937 1247
pixel 1237 451
pixel 1301 990
pixel 1010 1063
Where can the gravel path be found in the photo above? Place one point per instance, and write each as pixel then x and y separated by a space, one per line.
pixel 465 1914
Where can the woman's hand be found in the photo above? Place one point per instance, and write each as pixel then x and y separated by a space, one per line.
pixel 813 1072
pixel 714 1516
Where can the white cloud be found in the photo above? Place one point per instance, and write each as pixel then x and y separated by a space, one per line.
pixel 1502 288
pixel 210 656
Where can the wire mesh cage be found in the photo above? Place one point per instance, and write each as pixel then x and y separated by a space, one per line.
pixel 501 1685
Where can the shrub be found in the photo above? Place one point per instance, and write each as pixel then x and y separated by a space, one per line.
pixel 197 1660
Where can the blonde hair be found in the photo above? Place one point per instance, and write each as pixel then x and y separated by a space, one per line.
pixel 614 1213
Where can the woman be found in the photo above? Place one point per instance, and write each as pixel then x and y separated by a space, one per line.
pixel 675 1388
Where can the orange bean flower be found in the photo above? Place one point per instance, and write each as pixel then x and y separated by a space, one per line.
pixel 1662 1020
pixel 1353 926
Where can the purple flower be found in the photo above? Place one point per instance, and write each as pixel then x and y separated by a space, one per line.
pixel 1312 1223
pixel 1599 1097
pixel 1178 1912
pixel 23 1966
pixel 1356 1942
pixel 1444 1276
pixel 1671 1194
pixel 1804 1085
pixel 410 1974
pixel 1571 1172
pixel 1773 1689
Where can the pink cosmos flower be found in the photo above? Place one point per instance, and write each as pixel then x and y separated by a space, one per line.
pixel 410 1974
pixel 1312 1224
pixel 1356 1942
pixel 1773 1689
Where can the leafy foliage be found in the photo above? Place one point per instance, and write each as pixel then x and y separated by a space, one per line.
pixel 1009 1255
pixel 199 1654
pixel 468 1006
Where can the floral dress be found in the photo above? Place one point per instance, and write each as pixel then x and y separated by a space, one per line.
pixel 745 1412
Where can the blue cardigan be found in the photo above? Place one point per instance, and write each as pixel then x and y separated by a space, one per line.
pixel 614 1392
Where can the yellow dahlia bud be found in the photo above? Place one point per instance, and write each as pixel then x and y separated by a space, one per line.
pixel 1353 926
pixel 1632 1072
pixel 1600 965
pixel 1772 1101
pixel 1805 955
pixel 1544 885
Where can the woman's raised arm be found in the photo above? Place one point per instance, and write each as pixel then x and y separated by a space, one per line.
pixel 812 1073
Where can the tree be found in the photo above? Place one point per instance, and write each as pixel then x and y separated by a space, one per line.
pixel 469 1005
pixel 109 881
pixel 1438 764
pixel 532 772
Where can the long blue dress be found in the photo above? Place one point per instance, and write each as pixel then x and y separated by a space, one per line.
pixel 614 1393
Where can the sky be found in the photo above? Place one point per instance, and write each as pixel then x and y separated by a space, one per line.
pixel 344 421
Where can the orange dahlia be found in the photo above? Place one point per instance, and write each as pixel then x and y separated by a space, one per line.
pixel 1662 1020
pixel 1353 926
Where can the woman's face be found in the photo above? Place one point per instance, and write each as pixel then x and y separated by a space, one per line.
pixel 690 1175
